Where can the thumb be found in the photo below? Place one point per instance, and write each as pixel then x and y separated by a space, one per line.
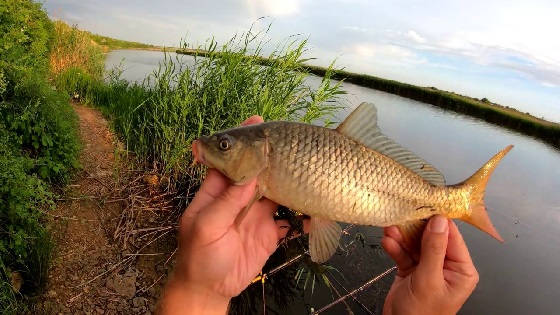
pixel 225 208
pixel 432 253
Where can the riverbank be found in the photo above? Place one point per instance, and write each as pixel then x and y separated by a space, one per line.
pixel 496 114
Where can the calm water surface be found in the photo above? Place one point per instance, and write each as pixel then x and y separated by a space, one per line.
pixel 520 276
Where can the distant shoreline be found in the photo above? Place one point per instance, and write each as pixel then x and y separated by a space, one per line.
pixel 493 113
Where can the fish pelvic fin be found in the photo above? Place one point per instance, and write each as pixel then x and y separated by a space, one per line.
pixel 476 184
pixel 324 237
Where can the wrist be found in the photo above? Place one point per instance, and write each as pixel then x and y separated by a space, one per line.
pixel 182 297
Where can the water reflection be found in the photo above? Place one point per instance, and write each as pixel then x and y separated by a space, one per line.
pixel 520 276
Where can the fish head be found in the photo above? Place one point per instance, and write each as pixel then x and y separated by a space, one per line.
pixel 239 153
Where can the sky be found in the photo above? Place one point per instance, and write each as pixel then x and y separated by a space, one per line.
pixel 506 51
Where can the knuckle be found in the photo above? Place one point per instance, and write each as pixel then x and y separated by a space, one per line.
pixel 475 278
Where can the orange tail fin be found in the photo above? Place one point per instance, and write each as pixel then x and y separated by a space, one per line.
pixel 476 184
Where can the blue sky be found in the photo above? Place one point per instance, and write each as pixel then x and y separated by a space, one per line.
pixel 507 51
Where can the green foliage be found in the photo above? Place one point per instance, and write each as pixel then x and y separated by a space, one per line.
pixel 3 84
pixel 24 243
pixel 41 120
pixel 159 118
pixel 38 146
pixel 45 128
pixel 25 35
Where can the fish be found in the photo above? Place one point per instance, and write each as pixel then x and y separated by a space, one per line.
pixel 353 174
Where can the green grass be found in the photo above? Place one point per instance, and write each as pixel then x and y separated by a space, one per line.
pixel 159 118
pixel 493 113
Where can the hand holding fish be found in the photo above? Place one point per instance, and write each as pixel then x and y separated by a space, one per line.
pixel 217 258
pixel 353 173
pixel 440 281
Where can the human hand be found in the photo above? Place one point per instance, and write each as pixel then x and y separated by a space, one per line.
pixel 218 258
pixel 440 281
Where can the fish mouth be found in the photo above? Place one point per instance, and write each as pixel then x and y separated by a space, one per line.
pixel 197 152
pixel 199 147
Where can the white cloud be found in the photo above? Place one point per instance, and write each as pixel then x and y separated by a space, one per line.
pixel 355 29
pixel 381 53
pixel 370 50
pixel 274 7
pixel 415 37
pixel 483 49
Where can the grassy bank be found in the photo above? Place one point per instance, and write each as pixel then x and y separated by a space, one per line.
pixel 503 116
pixel 38 149
pixel 159 118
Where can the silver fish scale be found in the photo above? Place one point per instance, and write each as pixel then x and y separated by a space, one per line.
pixel 321 173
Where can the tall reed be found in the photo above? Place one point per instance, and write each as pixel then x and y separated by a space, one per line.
pixel 74 48
pixel 185 98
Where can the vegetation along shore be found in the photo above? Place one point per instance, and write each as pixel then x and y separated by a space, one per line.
pixel 497 114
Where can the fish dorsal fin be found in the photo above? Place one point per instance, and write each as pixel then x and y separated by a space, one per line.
pixel 361 126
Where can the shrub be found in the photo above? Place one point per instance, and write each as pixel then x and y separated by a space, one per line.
pixel 25 36
pixel 24 243
pixel 38 146
pixel 45 127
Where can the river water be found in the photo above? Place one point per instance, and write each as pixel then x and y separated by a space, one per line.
pixel 520 276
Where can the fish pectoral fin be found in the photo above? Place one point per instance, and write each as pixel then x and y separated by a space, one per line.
pixel 324 237
pixel 411 232
pixel 361 126
pixel 245 210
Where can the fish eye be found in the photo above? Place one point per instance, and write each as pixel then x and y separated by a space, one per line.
pixel 224 144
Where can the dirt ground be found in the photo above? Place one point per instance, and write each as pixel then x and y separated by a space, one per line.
pixel 92 272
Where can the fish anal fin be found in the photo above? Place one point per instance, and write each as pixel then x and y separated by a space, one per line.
pixel 324 237
pixel 411 232
pixel 361 126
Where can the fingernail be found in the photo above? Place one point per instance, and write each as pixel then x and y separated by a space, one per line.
pixel 438 224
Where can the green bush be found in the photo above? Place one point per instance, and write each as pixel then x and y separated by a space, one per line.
pixel 45 128
pixel 24 243
pixel 38 146
pixel 25 36
pixel 42 121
